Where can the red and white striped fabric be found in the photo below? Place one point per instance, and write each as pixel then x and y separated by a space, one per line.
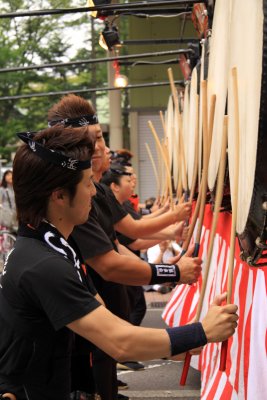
pixel 245 377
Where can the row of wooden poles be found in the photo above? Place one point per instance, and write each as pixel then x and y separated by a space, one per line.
pixel 199 210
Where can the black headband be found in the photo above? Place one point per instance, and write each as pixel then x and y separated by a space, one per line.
pixel 119 171
pixel 51 155
pixel 75 122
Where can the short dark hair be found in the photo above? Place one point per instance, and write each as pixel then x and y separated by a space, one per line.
pixel 34 179
pixel 113 175
pixel 70 106
pixel 122 157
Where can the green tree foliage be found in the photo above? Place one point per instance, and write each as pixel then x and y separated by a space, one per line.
pixel 39 40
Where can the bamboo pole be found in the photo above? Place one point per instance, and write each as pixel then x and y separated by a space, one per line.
pixel 195 170
pixel 160 169
pixel 165 187
pixel 153 166
pixel 211 118
pixel 217 206
pixel 192 222
pixel 163 125
pixel 181 141
pixel 179 189
pixel 202 68
pixel 166 152
pixel 234 197
pixel 151 126
pixel 207 133
pixel 201 200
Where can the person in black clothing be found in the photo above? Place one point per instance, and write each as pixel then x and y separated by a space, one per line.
pixel 45 293
pixel 96 237
pixel 99 231
pixel 43 286
pixel 119 180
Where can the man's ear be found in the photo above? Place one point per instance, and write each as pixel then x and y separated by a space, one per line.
pixel 58 195
pixel 115 188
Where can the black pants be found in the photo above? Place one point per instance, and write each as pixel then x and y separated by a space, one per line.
pixel 137 303
pixel 116 299
pixel 105 375
pixel 104 367
pixel 82 377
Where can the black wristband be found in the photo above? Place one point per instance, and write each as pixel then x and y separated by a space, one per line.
pixel 163 273
pixel 187 337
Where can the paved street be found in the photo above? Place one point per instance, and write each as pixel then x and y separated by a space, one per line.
pixel 160 379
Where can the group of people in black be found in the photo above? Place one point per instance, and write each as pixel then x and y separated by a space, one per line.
pixel 70 288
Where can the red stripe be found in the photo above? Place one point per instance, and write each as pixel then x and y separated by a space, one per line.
pixel 208 358
pixel 172 301
pixel 212 393
pixel 242 292
pixel 178 296
pixel 227 392
pixel 247 340
pixel 187 305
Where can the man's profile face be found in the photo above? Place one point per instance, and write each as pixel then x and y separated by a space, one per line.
pixel 99 156
pixel 78 208
pixel 125 187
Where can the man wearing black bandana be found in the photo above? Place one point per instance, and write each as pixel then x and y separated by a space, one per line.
pixel 44 285
pixel 108 266
pixel 98 245
pixel 45 294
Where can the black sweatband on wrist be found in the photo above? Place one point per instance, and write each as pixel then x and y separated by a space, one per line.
pixel 187 337
pixel 163 273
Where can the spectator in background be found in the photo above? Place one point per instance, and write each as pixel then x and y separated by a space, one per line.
pixel 164 252
pixel 7 202
pixel 7 197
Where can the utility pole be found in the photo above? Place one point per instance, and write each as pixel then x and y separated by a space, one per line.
pixel 93 52
pixel 115 113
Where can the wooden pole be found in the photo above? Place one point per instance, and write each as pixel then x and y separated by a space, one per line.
pixel 153 166
pixel 160 169
pixel 207 133
pixel 234 197
pixel 217 206
pixel 166 151
pixel 181 139
pixel 195 170
pixel 201 200
pixel 151 126
pixel 163 125
pixel 165 187
pixel 192 222
pixel 211 118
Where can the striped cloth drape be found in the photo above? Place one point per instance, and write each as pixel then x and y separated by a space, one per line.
pixel 245 377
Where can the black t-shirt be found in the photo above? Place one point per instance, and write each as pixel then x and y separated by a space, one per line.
pixel 99 231
pixel 106 199
pixel 44 289
pixel 128 207
pixel 96 237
